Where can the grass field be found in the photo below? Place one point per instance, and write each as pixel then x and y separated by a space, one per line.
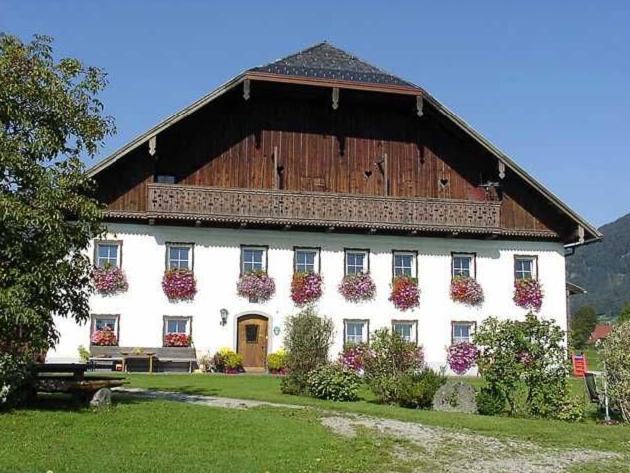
pixel 153 436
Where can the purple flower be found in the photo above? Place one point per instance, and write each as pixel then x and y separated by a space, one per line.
pixel 462 356
pixel 528 294
pixel 306 288
pixel 256 286
pixel 109 280
pixel 179 284
pixel 405 293
pixel 357 287
pixel 466 290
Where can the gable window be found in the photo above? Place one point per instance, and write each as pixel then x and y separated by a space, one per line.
pixel 463 264
pixel 525 267
pixel 355 331
pixel 253 258
pixel 102 322
pixel 462 331
pixel 165 179
pixel 179 256
pixel 357 261
pixel 306 260
pixel 407 329
pixel 107 253
pixel 404 264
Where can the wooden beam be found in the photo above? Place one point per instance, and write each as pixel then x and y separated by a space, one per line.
pixel 153 145
pixel 419 105
pixel 276 178
pixel 501 170
pixel 335 98
pixel 246 89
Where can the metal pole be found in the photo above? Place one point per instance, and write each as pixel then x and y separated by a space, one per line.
pixel 606 412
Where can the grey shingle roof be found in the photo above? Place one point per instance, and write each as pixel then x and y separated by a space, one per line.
pixel 324 61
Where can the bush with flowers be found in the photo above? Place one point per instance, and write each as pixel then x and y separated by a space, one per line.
pixel 357 287
pixel 306 288
pixel 528 294
pixel 177 340
pixel 109 280
pixel 228 361
pixel 405 293
pixel 466 290
pixel 277 362
pixel 179 284
pixel 353 356
pixel 104 338
pixel 461 356
pixel 257 286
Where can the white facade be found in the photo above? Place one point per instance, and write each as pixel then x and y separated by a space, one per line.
pixel 216 267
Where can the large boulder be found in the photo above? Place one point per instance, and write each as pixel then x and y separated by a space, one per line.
pixel 101 398
pixel 455 397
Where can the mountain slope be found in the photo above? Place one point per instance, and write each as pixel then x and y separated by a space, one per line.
pixel 603 269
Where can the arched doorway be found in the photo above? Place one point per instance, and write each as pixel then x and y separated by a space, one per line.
pixel 251 341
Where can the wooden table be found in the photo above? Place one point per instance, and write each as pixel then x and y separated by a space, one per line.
pixel 142 356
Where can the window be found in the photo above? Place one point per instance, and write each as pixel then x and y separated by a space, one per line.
pixel 107 253
pixel 165 179
pixel 177 325
pixel 404 263
pixel 406 329
pixel 357 261
pixel 179 256
pixel 463 265
pixel 355 331
pixel 253 259
pixel 462 331
pixel 525 267
pixel 101 322
pixel 251 333
pixel 306 260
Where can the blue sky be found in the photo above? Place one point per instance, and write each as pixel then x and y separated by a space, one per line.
pixel 548 82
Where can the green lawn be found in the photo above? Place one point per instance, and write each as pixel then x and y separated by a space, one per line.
pixel 593 359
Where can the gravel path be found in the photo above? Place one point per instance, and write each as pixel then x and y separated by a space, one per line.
pixel 425 449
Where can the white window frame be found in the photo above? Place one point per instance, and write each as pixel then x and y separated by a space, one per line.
pixel 413 335
pixel 316 258
pixel 534 268
pixel 191 253
pixel 471 330
pixel 414 263
pixel 472 266
pixel 99 243
pixel 365 332
pixel 353 251
pixel 178 318
pixel 263 249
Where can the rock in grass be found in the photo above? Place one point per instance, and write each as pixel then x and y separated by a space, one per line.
pixel 101 398
pixel 455 397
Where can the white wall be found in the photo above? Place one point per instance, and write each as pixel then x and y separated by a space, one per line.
pixel 216 265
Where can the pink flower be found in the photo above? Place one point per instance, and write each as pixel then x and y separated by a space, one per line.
pixel 405 293
pixel 357 287
pixel 177 340
pixel 105 338
pixel 306 288
pixel 109 280
pixel 353 356
pixel 466 290
pixel 462 356
pixel 528 294
pixel 256 286
pixel 179 284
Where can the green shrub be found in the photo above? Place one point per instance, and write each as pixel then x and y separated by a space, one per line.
pixel 490 402
pixel 84 354
pixel 334 382
pixel 390 356
pixel 616 357
pixel 307 340
pixel 416 390
pixel 571 409
pixel 15 380
pixel 277 362
pixel 227 360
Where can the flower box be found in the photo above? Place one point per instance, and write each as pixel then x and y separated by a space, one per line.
pixel 528 294
pixel 405 293
pixel 104 338
pixel 466 290
pixel 257 286
pixel 109 280
pixel 357 287
pixel 462 356
pixel 179 284
pixel 177 340
pixel 306 288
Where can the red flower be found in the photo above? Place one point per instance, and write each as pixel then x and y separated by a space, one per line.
pixel 177 340
pixel 306 288
pixel 179 284
pixel 105 338
pixel 405 293
pixel 466 290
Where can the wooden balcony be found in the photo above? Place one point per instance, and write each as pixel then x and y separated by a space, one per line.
pixel 270 207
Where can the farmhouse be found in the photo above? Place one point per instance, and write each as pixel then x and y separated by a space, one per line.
pixel 318 179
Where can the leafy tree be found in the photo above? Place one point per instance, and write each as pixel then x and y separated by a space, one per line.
pixel 624 315
pixel 616 356
pixel 50 117
pixel 582 324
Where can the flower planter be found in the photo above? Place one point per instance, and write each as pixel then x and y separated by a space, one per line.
pixel 109 280
pixel 179 284
pixel 357 287
pixel 528 294
pixel 462 356
pixel 104 338
pixel 256 286
pixel 405 293
pixel 173 340
pixel 306 288
pixel 466 290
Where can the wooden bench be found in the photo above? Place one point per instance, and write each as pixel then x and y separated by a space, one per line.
pixel 158 358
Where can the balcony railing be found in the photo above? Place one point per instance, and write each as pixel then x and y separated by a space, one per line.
pixel 270 207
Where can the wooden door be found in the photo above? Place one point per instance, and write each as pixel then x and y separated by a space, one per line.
pixel 252 341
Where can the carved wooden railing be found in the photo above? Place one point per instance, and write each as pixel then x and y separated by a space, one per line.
pixel 321 209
